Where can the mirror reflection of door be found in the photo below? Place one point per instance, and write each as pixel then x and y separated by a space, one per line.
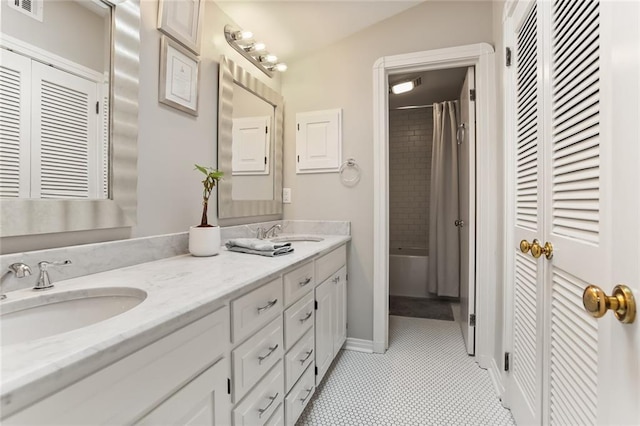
pixel 252 146
pixel 55 99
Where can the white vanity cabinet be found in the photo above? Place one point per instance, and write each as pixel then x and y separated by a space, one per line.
pixel 184 373
pixel 331 305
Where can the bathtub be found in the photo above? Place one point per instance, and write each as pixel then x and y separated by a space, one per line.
pixel 408 272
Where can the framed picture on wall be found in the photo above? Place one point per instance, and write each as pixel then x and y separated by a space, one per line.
pixel 182 21
pixel 179 77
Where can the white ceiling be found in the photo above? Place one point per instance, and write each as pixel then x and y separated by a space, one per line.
pixel 292 28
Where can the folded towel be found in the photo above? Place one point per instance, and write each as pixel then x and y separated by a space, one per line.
pixel 255 244
pixel 269 253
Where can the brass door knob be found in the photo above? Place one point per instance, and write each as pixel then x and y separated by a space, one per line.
pixel 622 302
pixel 525 246
pixel 537 250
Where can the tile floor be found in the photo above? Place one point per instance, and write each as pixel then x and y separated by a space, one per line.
pixel 425 378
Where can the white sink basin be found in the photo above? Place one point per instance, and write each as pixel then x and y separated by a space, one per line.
pixel 48 314
pixel 296 238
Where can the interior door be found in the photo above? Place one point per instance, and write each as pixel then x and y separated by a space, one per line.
pixel 525 383
pixel 466 157
pixel 587 219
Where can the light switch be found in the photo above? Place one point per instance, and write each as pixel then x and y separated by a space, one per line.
pixel 286 195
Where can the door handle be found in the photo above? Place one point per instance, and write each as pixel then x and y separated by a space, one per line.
pixel 525 245
pixel 622 302
pixel 537 250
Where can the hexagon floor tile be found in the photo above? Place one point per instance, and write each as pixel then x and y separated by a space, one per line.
pixel 425 378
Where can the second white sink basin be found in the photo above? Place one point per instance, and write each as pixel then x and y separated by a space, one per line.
pixel 48 314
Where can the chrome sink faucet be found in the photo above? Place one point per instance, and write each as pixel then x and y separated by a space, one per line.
pixel 20 270
pixel 269 233
pixel 44 281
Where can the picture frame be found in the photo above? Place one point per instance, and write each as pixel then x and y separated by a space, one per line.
pixel 182 21
pixel 179 77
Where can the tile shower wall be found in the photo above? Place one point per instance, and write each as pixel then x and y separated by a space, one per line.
pixel 410 142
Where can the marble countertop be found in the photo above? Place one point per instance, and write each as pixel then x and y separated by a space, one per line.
pixel 179 290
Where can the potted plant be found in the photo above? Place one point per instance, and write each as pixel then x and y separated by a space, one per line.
pixel 204 239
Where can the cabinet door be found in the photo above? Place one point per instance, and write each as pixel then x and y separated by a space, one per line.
pixel 340 304
pixel 324 328
pixel 203 401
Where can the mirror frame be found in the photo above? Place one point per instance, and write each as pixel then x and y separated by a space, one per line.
pixel 229 74
pixel 32 216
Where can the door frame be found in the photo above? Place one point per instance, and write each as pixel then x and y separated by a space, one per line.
pixel 488 192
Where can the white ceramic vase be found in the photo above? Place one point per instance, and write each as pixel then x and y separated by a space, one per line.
pixel 204 241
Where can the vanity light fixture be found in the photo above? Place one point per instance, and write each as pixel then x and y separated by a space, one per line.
pixel 254 51
pixel 405 86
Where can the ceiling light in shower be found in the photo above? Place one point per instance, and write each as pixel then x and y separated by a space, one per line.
pixel 405 86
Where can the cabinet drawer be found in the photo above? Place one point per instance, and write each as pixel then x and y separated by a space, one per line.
pixel 298 282
pixel 278 417
pixel 262 401
pixel 299 396
pixel 255 309
pixel 124 391
pixel 298 319
pixel 255 357
pixel 298 359
pixel 330 263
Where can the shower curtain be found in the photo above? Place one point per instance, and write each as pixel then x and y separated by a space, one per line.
pixel 444 239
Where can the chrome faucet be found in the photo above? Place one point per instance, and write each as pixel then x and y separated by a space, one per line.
pixel 44 282
pixel 269 233
pixel 20 270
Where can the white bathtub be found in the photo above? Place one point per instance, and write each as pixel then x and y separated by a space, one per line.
pixel 408 272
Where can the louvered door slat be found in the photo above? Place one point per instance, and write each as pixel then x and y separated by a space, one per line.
pixel 527 124
pixel 65 122
pixel 15 94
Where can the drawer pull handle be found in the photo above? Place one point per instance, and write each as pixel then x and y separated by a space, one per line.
pixel 302 400
pixel 302 320
pixel 305 282
pixel 267 306
pixel 272 349
pixel 303 360
pixel 265 409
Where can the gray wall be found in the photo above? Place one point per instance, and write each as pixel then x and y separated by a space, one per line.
pixel 67 29
pixel 410 143
pixel 169 141
pixel 340 76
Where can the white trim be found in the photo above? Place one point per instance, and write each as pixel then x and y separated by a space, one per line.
pixel 358 345
pixel 34 52
pixel 487 260
pixel 496 379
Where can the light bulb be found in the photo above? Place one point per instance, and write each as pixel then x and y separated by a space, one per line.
pixel 407 86
pixel 269 58
pixel 259 46
pixel 242 35
pixel 282 67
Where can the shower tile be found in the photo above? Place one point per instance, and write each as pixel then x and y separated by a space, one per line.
pixel 425 378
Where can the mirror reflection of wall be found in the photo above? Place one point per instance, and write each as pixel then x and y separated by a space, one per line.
pixel 253 146
pixel 56 71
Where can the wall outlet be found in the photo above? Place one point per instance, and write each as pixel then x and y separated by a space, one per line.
pixel 286 195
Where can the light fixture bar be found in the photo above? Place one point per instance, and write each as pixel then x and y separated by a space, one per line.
pixel 253 51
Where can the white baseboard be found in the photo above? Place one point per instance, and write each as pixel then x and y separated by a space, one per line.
pixel 496 378
pixel 359 345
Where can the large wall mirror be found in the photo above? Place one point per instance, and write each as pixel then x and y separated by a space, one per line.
pixel 69 110
pixel 250 145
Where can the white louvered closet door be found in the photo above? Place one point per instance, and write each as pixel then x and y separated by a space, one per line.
pixel 526 368
pixel 589 211
pixel 65 147
pixel 15 125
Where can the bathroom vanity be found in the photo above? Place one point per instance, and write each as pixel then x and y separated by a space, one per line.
pixel 232 339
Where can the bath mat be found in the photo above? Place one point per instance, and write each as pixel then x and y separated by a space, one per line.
pixel 418 307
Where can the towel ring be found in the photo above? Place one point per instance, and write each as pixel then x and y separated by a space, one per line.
pixel 350 164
